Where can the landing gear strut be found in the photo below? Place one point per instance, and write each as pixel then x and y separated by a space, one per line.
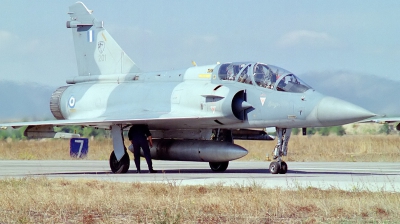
pixel 119 158
pixel 280 166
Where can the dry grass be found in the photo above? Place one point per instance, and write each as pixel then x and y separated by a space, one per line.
pixel 351 148
pixel 52 149
pixel 60 201
pixel 372 148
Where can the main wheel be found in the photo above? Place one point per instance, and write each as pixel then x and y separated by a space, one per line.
pixel 283 168
pixel 219 166
pixel 274 167
pixel 121 166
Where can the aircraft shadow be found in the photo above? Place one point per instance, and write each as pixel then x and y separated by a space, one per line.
pixel 72 173
pixel 210 171
pixel 172 171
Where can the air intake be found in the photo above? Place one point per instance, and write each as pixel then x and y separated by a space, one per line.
pixel 240 107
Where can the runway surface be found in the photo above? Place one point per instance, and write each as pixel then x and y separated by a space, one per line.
pixel 325 175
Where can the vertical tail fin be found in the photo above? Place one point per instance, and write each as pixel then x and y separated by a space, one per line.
pixel 97 53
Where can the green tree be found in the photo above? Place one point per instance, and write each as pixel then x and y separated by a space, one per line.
pixel 3 134
pixel 311 131
pixel 295 131
pixel 339 130
pixel 325 131
pixel 384 129
pixel 95 132
pixel 15 134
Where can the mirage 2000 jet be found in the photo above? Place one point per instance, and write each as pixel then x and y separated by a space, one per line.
pixel 194 114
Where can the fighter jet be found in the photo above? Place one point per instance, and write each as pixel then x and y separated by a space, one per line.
pixel 195 113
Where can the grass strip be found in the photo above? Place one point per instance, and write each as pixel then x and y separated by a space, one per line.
pixel 43 200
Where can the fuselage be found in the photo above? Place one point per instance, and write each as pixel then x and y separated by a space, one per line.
pixel 247 99
pixel 251 95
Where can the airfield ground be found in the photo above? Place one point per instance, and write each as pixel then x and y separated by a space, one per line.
pixel 43 200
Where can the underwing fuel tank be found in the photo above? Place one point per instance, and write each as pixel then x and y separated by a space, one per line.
pixel 195 150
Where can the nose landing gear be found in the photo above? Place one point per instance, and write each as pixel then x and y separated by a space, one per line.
pixel 280 166
pixel 276 167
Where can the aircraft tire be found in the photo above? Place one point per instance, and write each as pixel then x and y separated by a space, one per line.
pixel 119 167
pixel 274 167
pixel 283 169
pixel 219 166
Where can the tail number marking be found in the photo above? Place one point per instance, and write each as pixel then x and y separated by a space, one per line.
pixel 102 57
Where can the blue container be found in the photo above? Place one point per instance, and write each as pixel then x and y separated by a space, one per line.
pixel 79 147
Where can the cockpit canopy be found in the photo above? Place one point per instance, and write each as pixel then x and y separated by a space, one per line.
pixel 262 75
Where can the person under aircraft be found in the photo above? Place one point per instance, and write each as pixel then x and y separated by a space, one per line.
pixel 140 137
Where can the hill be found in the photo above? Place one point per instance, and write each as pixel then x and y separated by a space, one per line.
pixel 24 101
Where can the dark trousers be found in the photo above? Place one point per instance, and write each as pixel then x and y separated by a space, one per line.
pixel 137 144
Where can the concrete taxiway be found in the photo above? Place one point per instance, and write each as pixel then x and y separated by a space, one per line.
pixel 325 175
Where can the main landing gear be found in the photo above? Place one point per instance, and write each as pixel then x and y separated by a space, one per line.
pixel 119 158
pixel 219 166
pixel 280 166
pixel 121 166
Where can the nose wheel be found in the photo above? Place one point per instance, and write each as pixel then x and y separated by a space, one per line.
pixel 278 167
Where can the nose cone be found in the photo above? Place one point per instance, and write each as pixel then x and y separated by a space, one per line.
pixel 332 111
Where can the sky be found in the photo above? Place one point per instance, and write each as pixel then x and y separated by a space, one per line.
pixel 308 38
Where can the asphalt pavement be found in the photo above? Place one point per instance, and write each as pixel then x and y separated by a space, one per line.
pixel 351 176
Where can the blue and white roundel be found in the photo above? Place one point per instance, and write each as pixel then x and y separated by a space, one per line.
pixel 71 102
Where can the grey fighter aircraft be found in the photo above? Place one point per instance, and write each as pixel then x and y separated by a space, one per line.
pixel 195 113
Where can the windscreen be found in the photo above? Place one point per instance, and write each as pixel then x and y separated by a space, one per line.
pixel 263 75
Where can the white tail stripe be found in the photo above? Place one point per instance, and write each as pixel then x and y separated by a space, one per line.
pixel 90 36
